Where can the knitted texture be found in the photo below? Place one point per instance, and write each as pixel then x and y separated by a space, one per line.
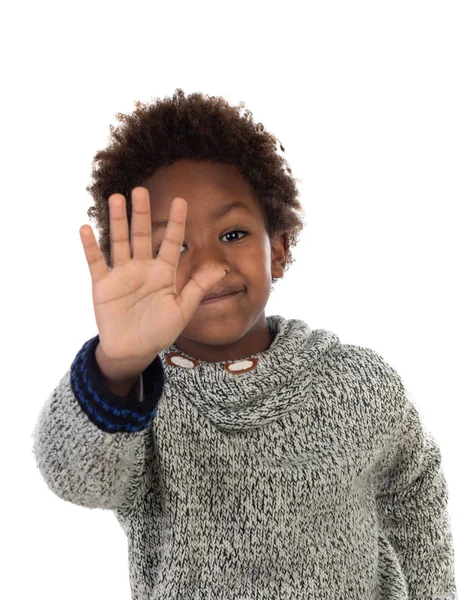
pixel 308 478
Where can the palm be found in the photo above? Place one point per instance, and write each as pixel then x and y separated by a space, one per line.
pixel 137 310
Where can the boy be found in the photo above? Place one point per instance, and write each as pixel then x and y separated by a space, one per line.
pixel 244 455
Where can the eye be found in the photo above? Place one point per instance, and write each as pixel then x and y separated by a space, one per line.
pixel 235 231
pixel 223 235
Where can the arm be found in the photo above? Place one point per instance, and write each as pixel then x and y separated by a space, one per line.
pixel 91 444
pixel 411 499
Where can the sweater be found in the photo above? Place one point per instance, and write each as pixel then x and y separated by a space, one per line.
pixel 305 473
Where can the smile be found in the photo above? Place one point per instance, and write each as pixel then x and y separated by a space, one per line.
pixel 221 298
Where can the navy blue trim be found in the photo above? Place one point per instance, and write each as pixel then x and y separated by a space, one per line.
pixel 106 410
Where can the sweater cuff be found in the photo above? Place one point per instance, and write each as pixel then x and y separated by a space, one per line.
pixel 109 412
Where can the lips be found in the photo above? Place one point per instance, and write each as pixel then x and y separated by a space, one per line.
pixel 220 293
pixel 221 298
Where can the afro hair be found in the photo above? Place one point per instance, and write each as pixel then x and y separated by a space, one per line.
pixel 194 127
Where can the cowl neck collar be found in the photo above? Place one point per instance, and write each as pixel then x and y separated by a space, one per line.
pixel 276 381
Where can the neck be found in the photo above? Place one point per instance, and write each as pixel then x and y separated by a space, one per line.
pixel 255 341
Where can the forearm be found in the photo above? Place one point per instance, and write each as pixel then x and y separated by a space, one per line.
pixel 90 443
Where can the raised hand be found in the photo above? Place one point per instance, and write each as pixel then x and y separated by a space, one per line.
pixel 137 309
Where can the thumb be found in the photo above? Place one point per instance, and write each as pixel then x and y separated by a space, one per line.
pixel 199 285
pixel 207 277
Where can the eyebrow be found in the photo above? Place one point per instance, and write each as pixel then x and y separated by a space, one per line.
pixel 220 212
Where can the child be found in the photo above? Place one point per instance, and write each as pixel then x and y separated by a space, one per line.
pixel 245 456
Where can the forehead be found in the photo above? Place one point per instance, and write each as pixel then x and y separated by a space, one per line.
pixel 219 212
pixel 184 176
pixel 214 188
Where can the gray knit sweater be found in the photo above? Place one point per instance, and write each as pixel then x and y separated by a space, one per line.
pixel 309 476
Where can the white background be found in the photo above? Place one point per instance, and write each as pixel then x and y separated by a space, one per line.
pixel 371 101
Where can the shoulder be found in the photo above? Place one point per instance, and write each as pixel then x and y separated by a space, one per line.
pixel 364 361
pixel 371 374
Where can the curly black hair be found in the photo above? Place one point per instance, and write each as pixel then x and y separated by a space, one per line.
pixel 195 127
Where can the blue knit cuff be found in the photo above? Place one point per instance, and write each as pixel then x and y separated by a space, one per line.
pixel 109 412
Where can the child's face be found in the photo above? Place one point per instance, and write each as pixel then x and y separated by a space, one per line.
pixel 235 327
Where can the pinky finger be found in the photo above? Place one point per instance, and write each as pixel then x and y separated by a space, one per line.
pixel 95 260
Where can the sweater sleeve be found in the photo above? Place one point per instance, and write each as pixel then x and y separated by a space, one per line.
pixel 91 445
pixel 411 499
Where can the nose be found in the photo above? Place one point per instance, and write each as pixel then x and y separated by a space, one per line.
pixel 210 255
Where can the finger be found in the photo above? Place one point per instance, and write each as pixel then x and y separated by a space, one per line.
pixel 170 249
pixel 119 230
pixel 96 262
pixel 141 238
pixel 194 291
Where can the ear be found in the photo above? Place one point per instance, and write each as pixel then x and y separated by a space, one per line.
pixel 279 253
